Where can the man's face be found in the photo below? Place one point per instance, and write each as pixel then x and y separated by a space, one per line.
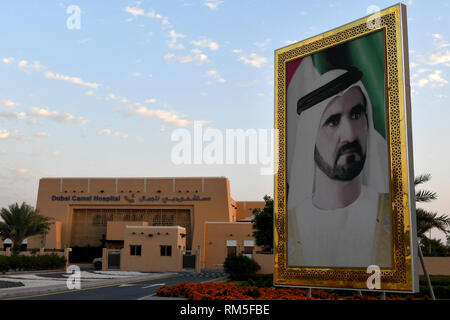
pixel 341 140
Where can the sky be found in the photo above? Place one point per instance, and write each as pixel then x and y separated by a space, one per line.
pixel 102 97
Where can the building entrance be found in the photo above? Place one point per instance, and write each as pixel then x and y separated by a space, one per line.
pixel 189 258
pixel 113 259
pixel 89 224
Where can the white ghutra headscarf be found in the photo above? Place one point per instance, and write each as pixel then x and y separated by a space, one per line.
pixel 302 131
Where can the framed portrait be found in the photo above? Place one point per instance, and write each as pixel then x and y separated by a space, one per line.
pixel 344 189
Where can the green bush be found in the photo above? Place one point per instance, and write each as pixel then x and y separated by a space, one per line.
pixel 35 262
pixel 4 264
pixel 240 267
pixel 436 280
pixel 253 292
pixel 441 286
pixel 261 280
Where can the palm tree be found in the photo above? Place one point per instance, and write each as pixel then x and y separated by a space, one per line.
pixel 21 222
pixel 427 220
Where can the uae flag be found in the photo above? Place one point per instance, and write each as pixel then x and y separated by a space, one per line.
pixel 367 54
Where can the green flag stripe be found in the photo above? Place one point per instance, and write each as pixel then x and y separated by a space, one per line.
pixel 367 54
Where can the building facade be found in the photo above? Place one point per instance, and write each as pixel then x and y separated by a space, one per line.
pixel 101 211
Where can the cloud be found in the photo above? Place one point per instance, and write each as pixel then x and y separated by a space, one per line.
pixel 170 117
pixel 8 60
pixel 19 170
pixel 206 43
pixel 56 116
pixel 435 58
pixel 135 74
pixel 74 80
pixel 252 59
pixel 84 41
pixel 419 72
pixel 8 103
pixel 13 115
pixel 110 133
pixel 212 4
pixel 262 45
pixel 195 56
pixel 90 93
pixel 439 41
pixel 136 12
pixel 112 96
pixel 172 43
pixel 152 100
pixel 434 79
pixel 246 84
pixel 203 122
pixel 440 56
pixel 214 74
pixel 15 134
pixel 42 135
pixel 4 134
pixel 30 67
pixel 33 122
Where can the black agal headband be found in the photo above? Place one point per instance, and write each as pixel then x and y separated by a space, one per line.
pixel 330 89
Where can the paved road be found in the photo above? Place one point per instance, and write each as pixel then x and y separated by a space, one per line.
pixel 130 291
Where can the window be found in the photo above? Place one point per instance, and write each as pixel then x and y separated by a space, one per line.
pixel 231 247
pixel 231 251
pixel 135 250
pixel 248 250
pixel 166 251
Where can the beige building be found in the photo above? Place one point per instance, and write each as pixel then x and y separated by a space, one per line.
pixel 173 223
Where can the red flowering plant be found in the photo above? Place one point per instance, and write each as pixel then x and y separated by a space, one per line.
pixel 232 291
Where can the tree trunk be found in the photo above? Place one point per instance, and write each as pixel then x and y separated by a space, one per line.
pixel 17 244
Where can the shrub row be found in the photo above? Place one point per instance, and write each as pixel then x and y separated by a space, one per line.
pixel 240 267
pixel 41 262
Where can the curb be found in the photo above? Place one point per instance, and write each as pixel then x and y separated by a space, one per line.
pixel 13 273
pixel 29 292
pixel 155 297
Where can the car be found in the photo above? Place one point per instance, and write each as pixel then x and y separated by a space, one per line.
pixel 97 263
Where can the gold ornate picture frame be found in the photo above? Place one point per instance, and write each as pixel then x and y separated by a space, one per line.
pixel 402 275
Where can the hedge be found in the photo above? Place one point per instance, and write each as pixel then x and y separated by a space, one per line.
pixel 25 263
pixel 240 267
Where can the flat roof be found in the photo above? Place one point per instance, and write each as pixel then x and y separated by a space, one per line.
pixel 147 227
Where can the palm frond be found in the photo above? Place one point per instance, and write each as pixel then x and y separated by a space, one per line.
pixel 427 220
pixel 425 196
pixel 422 179
pixel 21 222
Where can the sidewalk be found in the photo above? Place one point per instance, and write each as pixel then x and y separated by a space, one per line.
pixel 36 284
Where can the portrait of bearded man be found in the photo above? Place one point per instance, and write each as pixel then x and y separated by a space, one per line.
pixel 337 173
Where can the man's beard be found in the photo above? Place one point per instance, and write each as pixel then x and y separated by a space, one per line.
pixel 348 171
